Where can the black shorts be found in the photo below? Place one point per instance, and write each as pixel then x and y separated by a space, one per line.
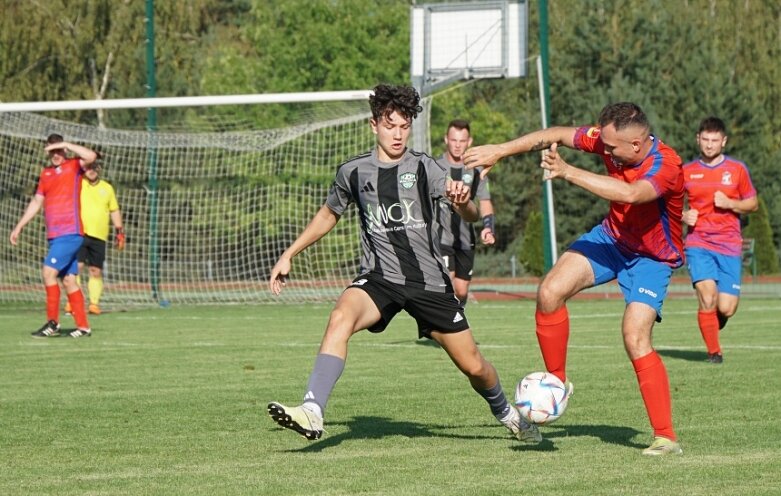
pixel 93 252
pixel 433 311
pixel 459 261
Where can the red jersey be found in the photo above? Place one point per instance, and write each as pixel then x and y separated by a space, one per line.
pixel 716 229
pixel 651 229
pixel 61 191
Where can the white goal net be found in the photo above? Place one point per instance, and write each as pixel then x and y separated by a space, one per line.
pixel 206 214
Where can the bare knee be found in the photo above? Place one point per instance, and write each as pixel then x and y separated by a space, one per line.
pixel 339 322
pixel 548 297
pixel 69 283
pixel 708 302
pixel 476 368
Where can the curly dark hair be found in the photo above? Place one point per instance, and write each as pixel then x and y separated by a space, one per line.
pixel 402 99
pixel 623 115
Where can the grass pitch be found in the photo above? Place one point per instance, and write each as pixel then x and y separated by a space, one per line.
pixel 173 401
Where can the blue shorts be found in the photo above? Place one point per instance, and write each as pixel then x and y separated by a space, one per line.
pixel 63 254
pixel 705 265
pixel 640 278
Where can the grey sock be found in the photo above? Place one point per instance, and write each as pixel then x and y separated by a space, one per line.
pixel 322 380
pixel 496 400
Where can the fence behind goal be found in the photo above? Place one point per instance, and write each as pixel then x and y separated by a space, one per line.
pixel 206 214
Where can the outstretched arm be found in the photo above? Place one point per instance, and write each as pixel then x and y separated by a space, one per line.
pixel 488 155
pixel 606 187
pixel 32 209
pixel 324 220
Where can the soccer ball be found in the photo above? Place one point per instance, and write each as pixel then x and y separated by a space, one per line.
pixel 541 398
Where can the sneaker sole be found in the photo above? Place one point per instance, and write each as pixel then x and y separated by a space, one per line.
pixel 279 416
pixel 673 452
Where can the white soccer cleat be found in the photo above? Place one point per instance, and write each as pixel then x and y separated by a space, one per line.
pixel 663 446
pixel 297 418
pixel 522 430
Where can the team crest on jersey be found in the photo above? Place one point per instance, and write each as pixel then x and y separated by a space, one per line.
pixel 593 132
pixel 408 179
pixel 726 178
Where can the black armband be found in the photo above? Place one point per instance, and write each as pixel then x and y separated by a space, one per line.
pixel 488 223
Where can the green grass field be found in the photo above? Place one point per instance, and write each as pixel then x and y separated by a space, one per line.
pixel 173 401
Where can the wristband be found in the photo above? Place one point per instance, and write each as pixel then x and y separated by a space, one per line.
pixel 488 223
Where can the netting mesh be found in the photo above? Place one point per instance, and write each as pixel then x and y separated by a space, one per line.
pixel 206 214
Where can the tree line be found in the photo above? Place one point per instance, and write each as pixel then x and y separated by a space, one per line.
pixel 680 60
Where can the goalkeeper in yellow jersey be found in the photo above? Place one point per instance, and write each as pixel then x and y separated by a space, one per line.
pixel 98 206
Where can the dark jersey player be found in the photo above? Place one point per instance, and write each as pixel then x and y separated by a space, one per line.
pixel 396 192
pixel 457 237
pixel 639 243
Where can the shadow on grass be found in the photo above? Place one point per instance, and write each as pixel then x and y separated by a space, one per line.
pixel 690 355
pixel 379 427
pixel 608 434
pixel 360 428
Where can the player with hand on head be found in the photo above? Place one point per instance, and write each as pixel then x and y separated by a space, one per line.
pixel 639 243
pixel 58 192
pixel 457 237
pixel 401 266
pixel 719 189
pixel 98 206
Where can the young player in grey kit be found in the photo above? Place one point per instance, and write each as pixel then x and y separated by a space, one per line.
pixel 396 191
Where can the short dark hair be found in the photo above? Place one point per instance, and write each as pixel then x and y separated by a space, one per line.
pixel 54 138
pixel 459 124
pixel 402 99
pixel 714 125
pixel 623 115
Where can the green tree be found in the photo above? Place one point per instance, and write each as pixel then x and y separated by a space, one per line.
pixel 310 45
pixel 95 49
pixel 531 256
pixel 764 248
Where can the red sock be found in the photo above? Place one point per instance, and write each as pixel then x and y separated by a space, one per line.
pixel 655 389
pixel 552 335
pixel 709 328
pixel 53 302
pixel 76 299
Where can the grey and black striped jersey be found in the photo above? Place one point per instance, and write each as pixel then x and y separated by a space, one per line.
pixel 454 231
pixel 397 205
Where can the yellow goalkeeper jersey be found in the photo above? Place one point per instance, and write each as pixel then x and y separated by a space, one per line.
pixel 96 203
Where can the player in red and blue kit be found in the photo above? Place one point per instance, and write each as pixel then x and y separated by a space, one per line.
pixel 719 189
pixel 59 192
pixel 639 243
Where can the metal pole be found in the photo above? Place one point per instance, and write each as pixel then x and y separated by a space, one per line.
pixel 151 127
pixel 548 222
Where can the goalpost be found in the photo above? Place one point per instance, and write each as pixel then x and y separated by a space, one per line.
pixel 223 207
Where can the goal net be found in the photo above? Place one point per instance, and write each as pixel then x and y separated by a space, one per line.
pixel 206 214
